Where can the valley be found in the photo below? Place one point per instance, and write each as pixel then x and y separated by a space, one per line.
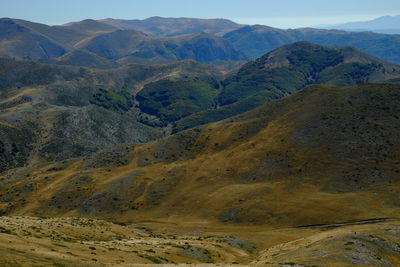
pixel 197 142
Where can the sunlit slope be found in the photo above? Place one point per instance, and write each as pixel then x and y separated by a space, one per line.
pixel 326 154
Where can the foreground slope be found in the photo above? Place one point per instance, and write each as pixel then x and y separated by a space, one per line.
pixel 75 241
pixel 326 154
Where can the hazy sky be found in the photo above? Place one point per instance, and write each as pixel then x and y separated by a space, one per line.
pixel 277 13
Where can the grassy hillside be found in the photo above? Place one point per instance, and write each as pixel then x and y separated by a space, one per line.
pixel 297 161
pixel 309 174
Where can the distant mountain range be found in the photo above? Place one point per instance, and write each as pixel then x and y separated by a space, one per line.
pixel 258 40
pixel 111 43
pixel 385 24
pixel 29 40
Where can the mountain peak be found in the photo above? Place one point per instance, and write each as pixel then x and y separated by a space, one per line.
pixel 384 24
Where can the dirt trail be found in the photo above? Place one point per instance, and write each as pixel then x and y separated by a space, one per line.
pixel 332 225
pixel 22 92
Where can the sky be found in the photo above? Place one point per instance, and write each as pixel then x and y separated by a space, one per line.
pixel 275 13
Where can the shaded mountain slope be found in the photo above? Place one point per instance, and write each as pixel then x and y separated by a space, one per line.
pixel 52 112
pixel 254 41
pixel 323 155
pixel 19 41
pixel 290 67
pixel 25 39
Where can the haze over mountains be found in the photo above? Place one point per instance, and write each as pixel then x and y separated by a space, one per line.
pixel 198 141
pixel 152 41
pixel 385 24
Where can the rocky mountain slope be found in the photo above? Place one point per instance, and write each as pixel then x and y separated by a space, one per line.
pixel 52 112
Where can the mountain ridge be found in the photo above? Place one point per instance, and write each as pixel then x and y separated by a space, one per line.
pixel 257 40
pixel 168 27
pixel 40 41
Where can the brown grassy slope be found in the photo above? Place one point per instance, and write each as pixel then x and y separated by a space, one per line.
pixel 326 154
pixel 84 59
